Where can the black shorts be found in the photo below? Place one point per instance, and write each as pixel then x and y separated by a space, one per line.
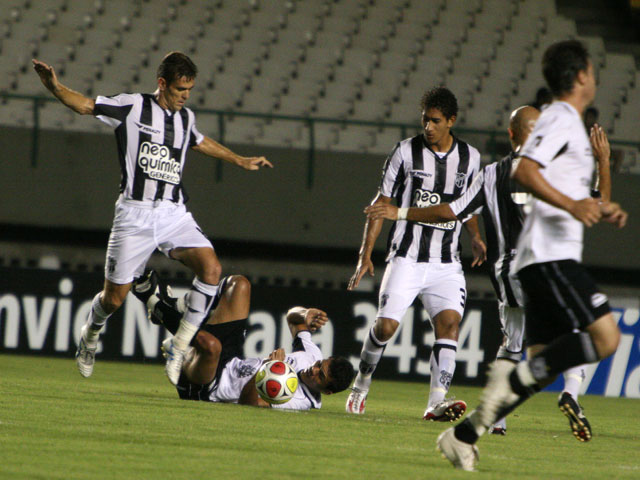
pixel 560 297
pixel 231 336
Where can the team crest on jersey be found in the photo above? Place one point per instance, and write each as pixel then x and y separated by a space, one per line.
pixel 156 162
pixel 245 371
pixel 460 179
pixel 426 198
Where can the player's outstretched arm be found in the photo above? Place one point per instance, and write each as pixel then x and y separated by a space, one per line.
pixel 301 319
pixel 372 229
pixel 214 149
pixel 72 99
pixel 602 152
pixel 528 175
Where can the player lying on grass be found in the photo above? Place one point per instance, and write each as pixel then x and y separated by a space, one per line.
pixel 215 369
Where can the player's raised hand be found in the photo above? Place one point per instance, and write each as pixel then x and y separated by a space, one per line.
pixel 613 213
pixel 600 143
pixel 382 210
pixel 315 319
pixel 364 265
pixel 254 163
pixel 586 211
pixel 46 73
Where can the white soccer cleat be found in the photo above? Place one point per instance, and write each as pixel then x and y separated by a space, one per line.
pixel 86 354
pixel 356 401
pixel 448 410
pixel 175 358
pixel 461 455
pixel 497 394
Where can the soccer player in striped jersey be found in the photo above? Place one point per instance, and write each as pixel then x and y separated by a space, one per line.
pixel 501 200
pixel 423 258
pixel 153 134
pixel 569 321
pixel 215 369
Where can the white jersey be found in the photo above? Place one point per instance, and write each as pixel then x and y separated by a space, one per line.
pixel 559 143
pixel 237 373
pixel 152 145
pixel 416 176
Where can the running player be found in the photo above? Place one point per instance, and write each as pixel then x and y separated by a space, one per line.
pixel 423 258
pixel 501 201
pixel 215 369
pixel 556 166
pixel 153 134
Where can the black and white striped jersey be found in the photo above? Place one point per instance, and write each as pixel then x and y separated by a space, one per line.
pixel 152 145
pixel 501 201
pixel 416 176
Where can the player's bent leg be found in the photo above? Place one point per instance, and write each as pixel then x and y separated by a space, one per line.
pixel 372 349
pixel 204 263
pixel 103 305
pixel 605 335
pixel 201 367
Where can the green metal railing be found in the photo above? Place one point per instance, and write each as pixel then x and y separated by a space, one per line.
pixel 491 148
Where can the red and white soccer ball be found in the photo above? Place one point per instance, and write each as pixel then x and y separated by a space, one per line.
pixel 276 382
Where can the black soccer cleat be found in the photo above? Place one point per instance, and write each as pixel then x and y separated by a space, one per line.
pixel 579 424
pixel 145 286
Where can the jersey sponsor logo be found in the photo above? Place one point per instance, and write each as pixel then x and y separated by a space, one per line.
pixel 147 128
pixel 425 198
pixel 245 371
pixel 460 179
pixel 420 173
pixel 156 162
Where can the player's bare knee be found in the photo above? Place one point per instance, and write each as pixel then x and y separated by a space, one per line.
pixel 207 344
pixel 240 286
pixel 385 328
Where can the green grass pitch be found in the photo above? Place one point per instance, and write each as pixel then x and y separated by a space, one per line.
pixel 126 422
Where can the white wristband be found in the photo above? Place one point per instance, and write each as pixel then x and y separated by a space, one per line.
pixel 402 213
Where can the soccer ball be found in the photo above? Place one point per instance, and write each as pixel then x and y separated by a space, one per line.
pixel 276 382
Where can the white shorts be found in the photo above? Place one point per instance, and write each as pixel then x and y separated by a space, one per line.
pixel 441 286
pixel 235 375
pixel 141 227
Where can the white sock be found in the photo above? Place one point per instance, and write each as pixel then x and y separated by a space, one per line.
pixel 97 319
pixel 198 302
pixel 572 381
pixel 443 365
pixel 372 350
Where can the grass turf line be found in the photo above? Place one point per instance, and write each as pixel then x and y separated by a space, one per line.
pixel 126 422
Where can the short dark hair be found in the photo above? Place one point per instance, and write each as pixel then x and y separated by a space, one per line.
pixel 561 63
pixel 176 65
pixel 441 98
pixel 341 372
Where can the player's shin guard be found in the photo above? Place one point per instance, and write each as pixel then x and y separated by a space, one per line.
pixel 97 319
pixel 443 365
pixel 372 350
pixel 199 301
